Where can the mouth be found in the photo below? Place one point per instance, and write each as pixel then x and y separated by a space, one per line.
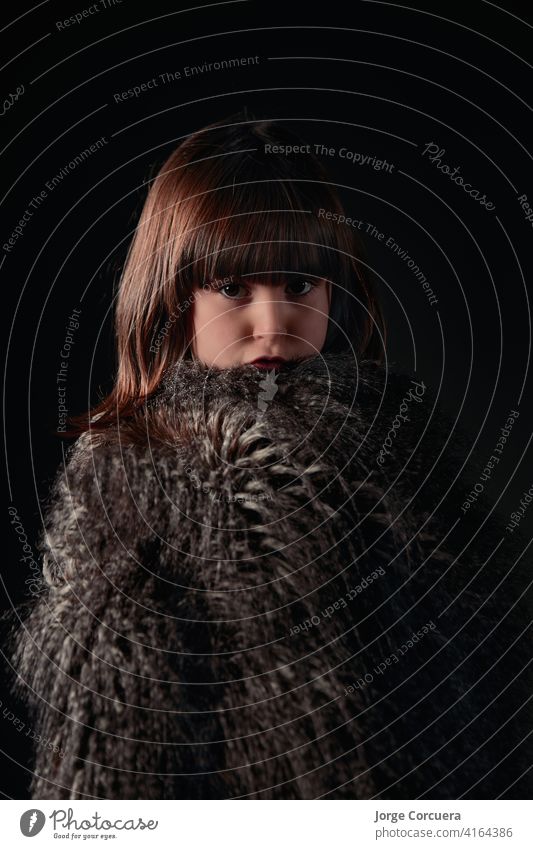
pixel 268 363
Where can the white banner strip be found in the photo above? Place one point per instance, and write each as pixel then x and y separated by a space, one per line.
pixel 270 824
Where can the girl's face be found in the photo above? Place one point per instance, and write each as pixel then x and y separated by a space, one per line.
pixel 236 322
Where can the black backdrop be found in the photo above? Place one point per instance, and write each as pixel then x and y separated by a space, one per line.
pixel 378 79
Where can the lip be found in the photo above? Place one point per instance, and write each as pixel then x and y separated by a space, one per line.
pixel 268 363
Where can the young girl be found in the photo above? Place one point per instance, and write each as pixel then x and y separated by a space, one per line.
pixel 238 255
pixel 256 581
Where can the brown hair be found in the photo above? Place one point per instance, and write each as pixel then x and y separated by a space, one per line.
pixel 224 200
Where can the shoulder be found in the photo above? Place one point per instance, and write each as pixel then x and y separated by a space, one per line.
pixel 83 505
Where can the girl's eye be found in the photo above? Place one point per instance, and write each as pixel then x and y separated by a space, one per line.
pixel 230 286
pixel 230 290
pixel 303 282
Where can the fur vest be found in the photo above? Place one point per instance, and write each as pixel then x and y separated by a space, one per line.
pixel 264 586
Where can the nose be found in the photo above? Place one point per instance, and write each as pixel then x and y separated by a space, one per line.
pixel 269 316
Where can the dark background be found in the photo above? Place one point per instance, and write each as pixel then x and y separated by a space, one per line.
pixel 375 78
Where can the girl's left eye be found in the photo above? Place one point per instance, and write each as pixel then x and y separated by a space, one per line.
pixel 303 282
pixel 310 284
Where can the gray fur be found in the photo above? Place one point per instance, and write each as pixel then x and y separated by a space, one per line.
pixel 164 659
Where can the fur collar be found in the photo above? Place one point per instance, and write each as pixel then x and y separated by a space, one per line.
pixel 243 601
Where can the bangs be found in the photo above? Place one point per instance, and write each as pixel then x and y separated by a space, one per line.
pixel 262 229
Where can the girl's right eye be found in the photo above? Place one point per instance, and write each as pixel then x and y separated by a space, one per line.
pixel 231 286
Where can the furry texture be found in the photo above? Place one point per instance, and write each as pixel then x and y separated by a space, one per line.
pixel 192 641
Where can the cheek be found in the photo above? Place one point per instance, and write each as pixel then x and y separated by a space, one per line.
pixel 324 305
pixel 319 322
pixel 203 315
pixel 317 318
pixel 210 321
